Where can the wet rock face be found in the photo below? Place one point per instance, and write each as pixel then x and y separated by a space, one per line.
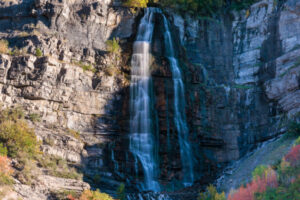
pixel 242 77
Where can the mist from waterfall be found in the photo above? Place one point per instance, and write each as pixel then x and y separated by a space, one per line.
pixel 141 137
pixel 179 108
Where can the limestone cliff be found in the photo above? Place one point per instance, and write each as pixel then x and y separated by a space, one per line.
pixel 241 72
pixel 242 76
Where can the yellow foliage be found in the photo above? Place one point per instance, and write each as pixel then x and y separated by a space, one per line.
pixel 3 46
pixel 247 13
pixel 284 165
pixel 211 194
pixel 15 134
pixel 94 195
pixel 137 3
pixel 5 171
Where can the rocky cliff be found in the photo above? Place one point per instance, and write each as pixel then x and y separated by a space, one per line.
pixel 242 78
pixel 241 72
pixel 75 86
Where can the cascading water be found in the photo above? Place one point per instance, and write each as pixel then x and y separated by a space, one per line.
pixel 141 137
pixel 179 108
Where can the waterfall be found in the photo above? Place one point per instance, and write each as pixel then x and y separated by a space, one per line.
pixel 179 108
pixel 148 196
pixel 141 137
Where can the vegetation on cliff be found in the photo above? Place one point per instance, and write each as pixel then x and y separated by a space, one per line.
pixel 15 135
pixel 206 7
pixel 90 195
pixel 3 46
pixel 195 7
pixel 5 171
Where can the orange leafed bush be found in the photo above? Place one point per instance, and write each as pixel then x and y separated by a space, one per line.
pixel 258 185
pixel 70 197
pixel 5 171
pixel 5 168
pixel 91 195
pixel 293 157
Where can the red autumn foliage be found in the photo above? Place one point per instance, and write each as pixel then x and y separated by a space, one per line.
pixel 70 197
pixel 293 157
pixel 257 185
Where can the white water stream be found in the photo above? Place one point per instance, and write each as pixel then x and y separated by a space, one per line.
pixel 141 137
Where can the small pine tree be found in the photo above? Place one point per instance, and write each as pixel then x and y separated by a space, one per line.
pixel 38 52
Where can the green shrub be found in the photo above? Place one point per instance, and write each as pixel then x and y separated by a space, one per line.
pixel 94 195
pixel 206 7
pixel 121 192
pixel 17 52
pixel 62 194
pixel 5 180
pixel 85 67
pixel 75 134
pixel 27 168
pixel 88 68
pixel 50 141
pixel 297 141
pixel 13 114
pixel 211 194
pixel 38 52
pixel 34 117
pixel 113 46
pixel 290 192
pixel 259 171
pixel 3 150
pixel 110 70
pixel 69 174
pixel 15 135
pixel 58 167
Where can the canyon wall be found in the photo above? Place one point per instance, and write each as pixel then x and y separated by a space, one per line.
pixel 242 79
pixel 241 74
